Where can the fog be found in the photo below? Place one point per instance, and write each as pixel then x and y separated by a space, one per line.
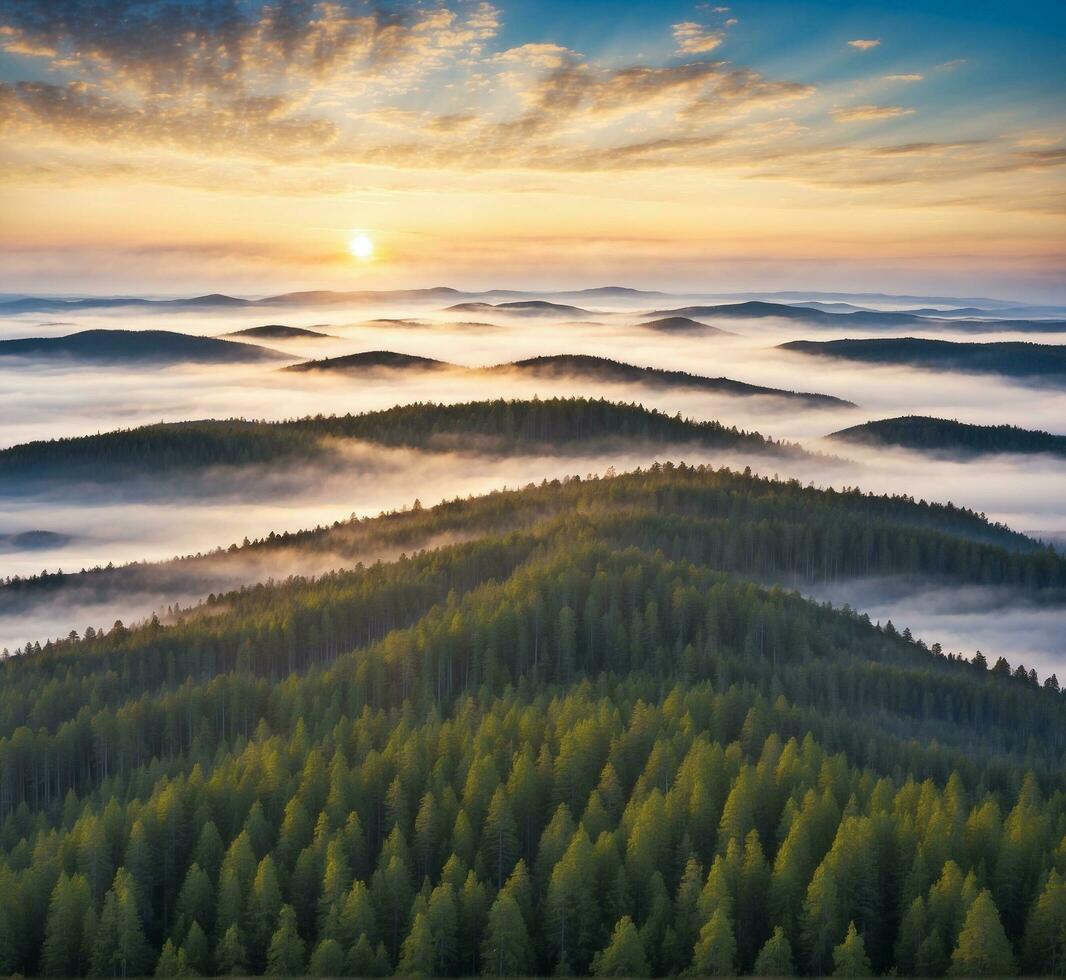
pixel 176 516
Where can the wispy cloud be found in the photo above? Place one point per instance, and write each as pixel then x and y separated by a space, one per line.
pixel 865 43
pixel 693 38
pixel 910 77
pixel 869 113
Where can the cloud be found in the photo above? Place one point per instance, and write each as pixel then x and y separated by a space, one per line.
pixel 865 44
pixel 693 38
pixel 537 55
pixel 912 77
pixel 952 65
pixel 869 113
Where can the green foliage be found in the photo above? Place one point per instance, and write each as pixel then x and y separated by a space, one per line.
pixel 545 750
pixel 285 957
pixel 983 949
pixel 849 958
pixel 624 956
pixel 775 958
pixel 715 954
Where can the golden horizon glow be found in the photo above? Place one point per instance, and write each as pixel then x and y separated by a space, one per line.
pixel 361 246
pixel 685 153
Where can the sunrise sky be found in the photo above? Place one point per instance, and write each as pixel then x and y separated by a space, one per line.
pixel 178 147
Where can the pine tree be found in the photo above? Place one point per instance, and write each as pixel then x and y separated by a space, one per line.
pixel 285 957
pixel 417 956
pixel 624 956
pixel 264 907
pixel 327 960
pixel 231 958
pixel 120 948
pixel 983 949
pixel 196 951
pixel 171 963
pixel 849 958
pixel 1045 932
pixel 63 953
pixel 715 954
pixel 365 960
pixel 499 840
pixel 506 950
pixel 775 958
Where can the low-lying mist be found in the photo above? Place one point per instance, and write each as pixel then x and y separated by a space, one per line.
pixel 175 517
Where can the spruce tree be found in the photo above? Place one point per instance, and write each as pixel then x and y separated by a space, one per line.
pixel 1045 933
pixel 231 958
pixel 285 957
pixel 506 950
pixel 624 956
pixel 417 956
pixel 775 958
pixel 849 958
pixel 715 954
pixel 983 949
pixel 327 960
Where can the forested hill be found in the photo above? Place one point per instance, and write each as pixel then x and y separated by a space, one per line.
pixel 953 437
pixel 557 425
pixel 771 529
pixel 607 369
pixel 578 367
pixel 371 360
pixel 1016 360
pixel 137 346
pixel 575 748
pixel 278 331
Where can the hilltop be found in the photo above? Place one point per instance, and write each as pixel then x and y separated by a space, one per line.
pixel 277 331
pixel 1034 362
pixel 603 716
pixel 571 366
pixel 556 426
pixel 952 437
pixel 137 346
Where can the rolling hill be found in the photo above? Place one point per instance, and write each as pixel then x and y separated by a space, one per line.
pixel 428 765
pixel 136 346
pixel 557 426
pixel 277 331
pixel 605 369
pixel 938 541
pixel 570 366
pixel 684 325
pixel 952 437
pixel 371 361
pixel 867 319
pixel 1031 362
pixel 520 308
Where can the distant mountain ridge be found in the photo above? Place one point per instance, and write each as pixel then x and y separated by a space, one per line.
pixel 758 309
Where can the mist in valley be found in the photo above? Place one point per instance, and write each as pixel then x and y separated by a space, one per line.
pixel 155 519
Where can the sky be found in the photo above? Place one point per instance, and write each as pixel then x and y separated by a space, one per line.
pixel 166 148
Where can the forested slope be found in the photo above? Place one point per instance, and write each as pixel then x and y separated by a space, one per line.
pixel 556 425
pixel 579 746
pixel 1012 359
pixel 771 529
pixel 952 437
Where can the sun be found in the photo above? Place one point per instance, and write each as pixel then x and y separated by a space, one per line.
pixel 361 246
